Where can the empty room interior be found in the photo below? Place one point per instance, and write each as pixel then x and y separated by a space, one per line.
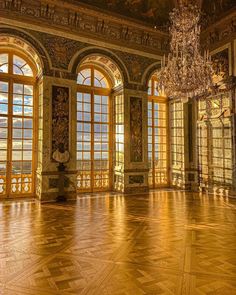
pixel 117 147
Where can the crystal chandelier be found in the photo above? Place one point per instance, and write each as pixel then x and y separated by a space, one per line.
pixel 187 73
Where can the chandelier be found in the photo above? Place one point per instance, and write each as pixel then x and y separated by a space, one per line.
pixel 187 73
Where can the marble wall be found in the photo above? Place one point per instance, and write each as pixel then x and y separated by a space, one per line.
pixel 60 57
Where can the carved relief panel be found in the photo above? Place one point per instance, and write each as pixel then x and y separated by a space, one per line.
pixel 136 147
pixel 60 117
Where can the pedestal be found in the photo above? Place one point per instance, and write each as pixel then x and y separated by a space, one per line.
pixel 61 183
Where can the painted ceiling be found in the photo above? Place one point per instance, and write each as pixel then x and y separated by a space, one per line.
pixel 156 12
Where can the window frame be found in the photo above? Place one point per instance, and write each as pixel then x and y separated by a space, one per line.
pixel 12 79
pixel 93 90
pixel 152 98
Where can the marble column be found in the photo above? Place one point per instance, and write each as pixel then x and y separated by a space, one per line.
pixel 190 146
pixel 135 170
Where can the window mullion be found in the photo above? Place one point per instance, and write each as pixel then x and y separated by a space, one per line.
pixel 92 140
pixel 153 145
pixel 9 142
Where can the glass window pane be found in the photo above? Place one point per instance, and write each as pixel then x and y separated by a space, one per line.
pixel 17 99
pixel 28 123
pixel 3 155
pixel 87 81
pixel 16 144
pixel 28 133
pixel 26 167
pixel 84 77
pixel 27 145
pixel 87 127
pixel 3 132
pixel 79 156
pixel 17 70
pixel 4 68
pixel 87 117
pixel 97 99
pixel 28 100
pixel 27 155
pixel 4 63
pixel 18 88
pixel 28 111
pixel 16 167
pixel 3 97
pixel 27 70
pixel 97 118
pixel 3 144
pixel 21 67
pixel 3 109
pixel 17 110
pixel 87 97
pixel 17 133
pixel 100 80
pixel 3 167
pixel 3 86
pixel 87 107
pixel 97 83
pixel 16 155
pixel 86 156
pixel 17 122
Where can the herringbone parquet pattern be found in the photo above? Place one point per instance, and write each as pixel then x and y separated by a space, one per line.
pixel 166 242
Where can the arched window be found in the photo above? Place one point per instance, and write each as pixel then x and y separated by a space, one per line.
pixel 93 130
pixel 17 90
pixel 157 135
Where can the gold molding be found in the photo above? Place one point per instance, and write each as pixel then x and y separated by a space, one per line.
pixel 73 21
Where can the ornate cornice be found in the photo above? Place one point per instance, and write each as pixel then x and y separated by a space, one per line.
pixel 220 32
pixel 85 22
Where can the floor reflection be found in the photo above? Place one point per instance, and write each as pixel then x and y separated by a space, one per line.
pixel 163 242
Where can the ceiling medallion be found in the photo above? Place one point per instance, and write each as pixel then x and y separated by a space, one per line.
pixel 187 73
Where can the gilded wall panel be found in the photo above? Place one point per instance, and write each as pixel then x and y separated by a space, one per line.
pixel 136 147
pixel 221 66
pixel 60 117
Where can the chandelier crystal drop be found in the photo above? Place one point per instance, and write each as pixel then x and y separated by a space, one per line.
pixel 187 73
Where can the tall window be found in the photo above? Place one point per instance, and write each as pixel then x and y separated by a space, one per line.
pixel 157 136
pixel 17 79
pixel 177 142
pixel 119 142
pixel 215 142
pixel 93 130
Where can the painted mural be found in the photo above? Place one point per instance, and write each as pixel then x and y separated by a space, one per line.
pixel 214 9
pixel 220 62
pixel 155 12
pixel 60 118
pixel 136 147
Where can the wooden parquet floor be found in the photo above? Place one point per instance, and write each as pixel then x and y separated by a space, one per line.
pixel 163 242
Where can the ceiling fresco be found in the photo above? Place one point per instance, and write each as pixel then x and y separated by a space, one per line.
pixel 156 12
pixel 153 12
pixel 215 9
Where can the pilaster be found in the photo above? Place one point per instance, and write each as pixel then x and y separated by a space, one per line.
pixel 232 192
pixel 135 172
pixel 49 129
pixel 190 146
